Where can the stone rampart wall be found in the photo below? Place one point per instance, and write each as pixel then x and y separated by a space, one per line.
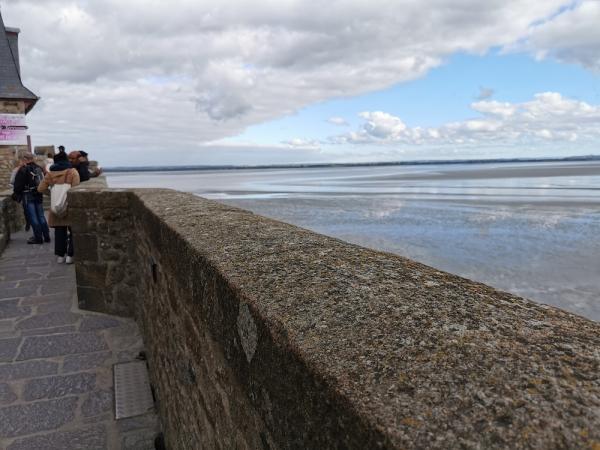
pixel 11 218
pixel 262 335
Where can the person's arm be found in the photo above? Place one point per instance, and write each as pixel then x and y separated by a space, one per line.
pixel 20 181
pixel 13 175
pixel 75 178
pixel 44 184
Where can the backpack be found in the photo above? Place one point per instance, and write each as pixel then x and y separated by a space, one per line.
pixel 58 199
pixel 35 177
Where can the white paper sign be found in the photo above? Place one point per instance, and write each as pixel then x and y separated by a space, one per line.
pixel 13 130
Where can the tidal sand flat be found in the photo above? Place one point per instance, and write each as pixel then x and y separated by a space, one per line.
pixel 528 228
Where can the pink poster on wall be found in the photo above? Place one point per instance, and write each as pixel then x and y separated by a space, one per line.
pixel 13 130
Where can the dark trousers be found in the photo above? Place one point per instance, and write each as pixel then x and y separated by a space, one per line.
pixel 63 241
pixel 35 212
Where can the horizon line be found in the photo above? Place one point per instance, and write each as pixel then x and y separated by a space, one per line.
pixel 345 164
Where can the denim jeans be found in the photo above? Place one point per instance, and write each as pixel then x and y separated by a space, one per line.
pixel 35 212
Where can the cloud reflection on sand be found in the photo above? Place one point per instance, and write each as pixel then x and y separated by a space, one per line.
pixel 531 229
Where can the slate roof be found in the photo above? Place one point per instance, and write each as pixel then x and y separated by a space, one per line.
pixel 11 86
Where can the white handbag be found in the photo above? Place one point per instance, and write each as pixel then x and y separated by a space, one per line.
pixel 58 199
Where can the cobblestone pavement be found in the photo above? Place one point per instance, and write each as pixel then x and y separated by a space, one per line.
pixel 56 385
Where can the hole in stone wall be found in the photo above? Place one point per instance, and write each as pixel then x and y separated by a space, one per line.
pixel 159 442
pixel 154 269
pixel 191 374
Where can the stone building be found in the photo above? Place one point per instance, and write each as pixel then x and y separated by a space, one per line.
pixel 15 102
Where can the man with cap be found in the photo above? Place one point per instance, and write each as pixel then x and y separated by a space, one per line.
pixel 27 179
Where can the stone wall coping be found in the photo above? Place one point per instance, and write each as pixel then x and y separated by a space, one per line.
pixel 418 353
pixel 93 184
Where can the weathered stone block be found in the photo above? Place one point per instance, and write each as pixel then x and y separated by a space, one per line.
pixel 80 201
pixel 114 200
pixel 108 254
pixel 91 274
pixel 115 273
pixel 124 297
pixel 113 215
pixel 12 107
pixel 87 246
pixel 91 299
pixel 82 221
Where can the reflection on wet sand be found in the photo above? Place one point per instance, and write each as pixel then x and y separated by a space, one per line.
pixel 531 229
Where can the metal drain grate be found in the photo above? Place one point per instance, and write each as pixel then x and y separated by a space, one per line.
pixel 133 395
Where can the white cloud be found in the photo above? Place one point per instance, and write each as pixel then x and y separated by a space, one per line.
pixel 338 121
pixel 305 144
pixel 494 108
pixel 572 37
pixel 548 116
pixel 151 76
pixel 382 125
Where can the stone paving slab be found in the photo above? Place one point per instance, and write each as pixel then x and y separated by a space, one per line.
pixel 29 369
pixel 98 402
pixel 20 276
pixel 37 300
pixel 49 320
pixel 52 307
pixel 99 323
pixel 77 363
pixel 8 348
pixel 48 331
pixel 7 394
pixel 18 292
pixel 10 309
pixel 90 438
pixel 59 345
pixel 59 386
pixel 19 420
pixel 56 390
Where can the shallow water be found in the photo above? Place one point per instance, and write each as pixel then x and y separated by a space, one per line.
pixel 530 229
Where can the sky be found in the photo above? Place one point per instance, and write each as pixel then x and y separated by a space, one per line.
pixel 157 82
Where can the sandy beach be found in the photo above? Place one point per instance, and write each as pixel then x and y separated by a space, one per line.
pixel 530 229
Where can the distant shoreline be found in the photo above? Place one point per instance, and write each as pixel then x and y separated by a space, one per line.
pixel 358 164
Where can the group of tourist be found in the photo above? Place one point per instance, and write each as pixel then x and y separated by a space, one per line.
pixel 30 181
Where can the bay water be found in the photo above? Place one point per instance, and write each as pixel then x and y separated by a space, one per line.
pixel 532 229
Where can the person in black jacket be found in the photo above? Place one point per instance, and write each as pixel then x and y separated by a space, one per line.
pixel 27 180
